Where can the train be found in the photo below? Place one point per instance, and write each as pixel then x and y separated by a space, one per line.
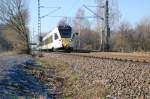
pixel 60 38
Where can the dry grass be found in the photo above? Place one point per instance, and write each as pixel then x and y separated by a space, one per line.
pixel 76 85
pixel 92 78
pixel 7 53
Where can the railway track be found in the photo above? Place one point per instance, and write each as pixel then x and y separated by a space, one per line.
pixel 132 57
pixel 118 71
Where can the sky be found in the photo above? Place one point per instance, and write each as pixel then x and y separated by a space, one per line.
pixel 131 10
pixel 134 10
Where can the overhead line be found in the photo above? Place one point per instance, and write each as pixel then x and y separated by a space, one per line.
pixel 51 12
pixel 48 7
pixel 91 6
pixel 93 12
pixel 74 17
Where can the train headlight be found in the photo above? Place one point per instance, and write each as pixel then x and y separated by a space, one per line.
pixel 66 45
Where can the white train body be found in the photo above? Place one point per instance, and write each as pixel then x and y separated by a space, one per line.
pixel 58 38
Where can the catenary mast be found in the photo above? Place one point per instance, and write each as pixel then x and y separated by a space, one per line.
pixel 103 25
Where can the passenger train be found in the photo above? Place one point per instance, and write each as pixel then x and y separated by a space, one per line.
pixel 60 37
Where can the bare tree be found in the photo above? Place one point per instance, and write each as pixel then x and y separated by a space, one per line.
pixel 88 38
pixel 107 16
pixel 132 39
pixel 79 18
pixel 15 15
pixel 5 45
pixel 143 34
pixel 114 13
pixel 123 39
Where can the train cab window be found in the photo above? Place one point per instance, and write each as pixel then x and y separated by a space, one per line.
pixel 65 31
pixel 56 36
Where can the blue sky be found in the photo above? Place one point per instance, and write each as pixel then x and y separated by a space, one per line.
pixel 68 8
pixel 134 10
pixel 131 10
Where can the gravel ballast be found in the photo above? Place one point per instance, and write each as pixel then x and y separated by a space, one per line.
pixel 115 79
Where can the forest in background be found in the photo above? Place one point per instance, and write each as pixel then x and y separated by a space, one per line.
pixel 124 37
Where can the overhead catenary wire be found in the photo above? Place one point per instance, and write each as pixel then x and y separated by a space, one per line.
pixel 93 12
pixel 51 12
pixel 72 17
pixel 105 20
pixel 48 7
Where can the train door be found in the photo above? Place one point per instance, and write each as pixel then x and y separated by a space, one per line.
pixel 57 42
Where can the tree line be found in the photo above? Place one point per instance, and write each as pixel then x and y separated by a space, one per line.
pixel 128 38
pixel 124 37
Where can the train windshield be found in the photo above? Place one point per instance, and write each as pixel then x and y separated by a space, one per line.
pixel 65 34
pixel 65 31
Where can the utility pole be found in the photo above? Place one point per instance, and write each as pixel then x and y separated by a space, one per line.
pixel 102 16
pixel 107 28
pixel 39 26
pixel 103 10
pixel 79 36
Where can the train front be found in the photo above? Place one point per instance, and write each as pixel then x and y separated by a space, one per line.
pixel 66 32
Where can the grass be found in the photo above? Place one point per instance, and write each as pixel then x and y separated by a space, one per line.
pixel 74 86
pixel 7 53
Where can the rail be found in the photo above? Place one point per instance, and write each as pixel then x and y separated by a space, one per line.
pixel 142 58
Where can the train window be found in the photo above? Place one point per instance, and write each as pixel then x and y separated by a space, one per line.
pixel 65 33
pixel 46 41
pixel 51 39
pixel 56 36
pixel 42 43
